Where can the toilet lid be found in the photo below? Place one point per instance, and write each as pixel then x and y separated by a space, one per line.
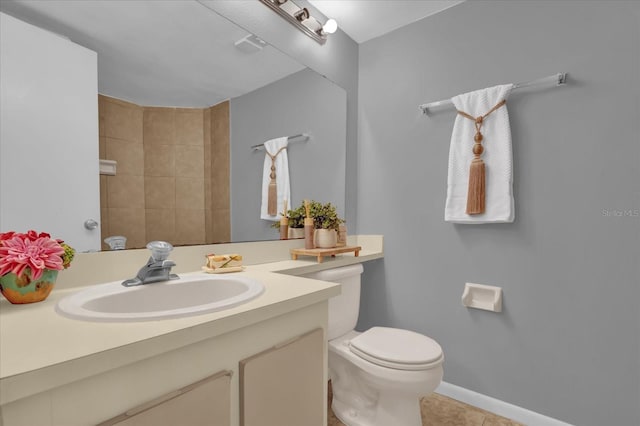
pixel 396 348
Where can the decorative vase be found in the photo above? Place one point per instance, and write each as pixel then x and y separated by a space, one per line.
pixel 342 236
pixel 296 233
pixel 23 289
pixel 326 238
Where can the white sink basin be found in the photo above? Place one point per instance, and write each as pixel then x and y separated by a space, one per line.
pixel 189 295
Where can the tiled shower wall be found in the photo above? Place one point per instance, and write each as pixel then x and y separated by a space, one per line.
pixel 172 165
pixel 218 213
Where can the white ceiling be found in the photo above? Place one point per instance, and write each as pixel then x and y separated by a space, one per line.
pixel 180 53
pixel 159 53
pixel 363 20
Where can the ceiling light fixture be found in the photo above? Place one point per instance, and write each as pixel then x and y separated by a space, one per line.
pixel 330 26
pixel 302 14
pixel 300 18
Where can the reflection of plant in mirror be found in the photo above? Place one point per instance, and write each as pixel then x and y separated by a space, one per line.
pixel 296 217
pixel 324 216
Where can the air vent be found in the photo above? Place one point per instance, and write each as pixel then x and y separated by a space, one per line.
pixel 250 44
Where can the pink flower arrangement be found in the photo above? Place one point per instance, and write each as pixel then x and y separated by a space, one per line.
pixel 32 252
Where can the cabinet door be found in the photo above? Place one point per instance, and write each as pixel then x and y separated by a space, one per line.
pixel 284 386
pixel 207 402
pixel 49 170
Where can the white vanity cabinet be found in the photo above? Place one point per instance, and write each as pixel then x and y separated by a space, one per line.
pixel 284 385
pixel 290 346
pixel 207 402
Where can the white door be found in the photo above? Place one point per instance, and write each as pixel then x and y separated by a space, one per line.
pixel 49 170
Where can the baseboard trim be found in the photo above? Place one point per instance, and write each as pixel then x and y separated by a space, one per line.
pixel 501 408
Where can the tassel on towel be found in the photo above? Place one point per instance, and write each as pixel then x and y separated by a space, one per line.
pixel 476 191
pixel 476 194
pixel 272 203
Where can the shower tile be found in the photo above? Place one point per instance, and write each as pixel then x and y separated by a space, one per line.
pixel 129 222
pixel 190 161
pixel 220 192
pixel 206 126
pixel 190 193
pixel 220 121
pixel 220 160
pixel 125 191
pixel 102 147
pixel 207 194
pixel 189 126
pixel 103 191
pixel 160 224
pixel 159 126
pixel 207 161
pixel 208 225
pixel 190 226
pixel 160 192
pixel 160 160
pixel 129 156
pixel 122 120
pixel 221 224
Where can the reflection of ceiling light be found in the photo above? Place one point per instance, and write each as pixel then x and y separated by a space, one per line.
pixel 250 44
pixel 330 26
pixel 300 18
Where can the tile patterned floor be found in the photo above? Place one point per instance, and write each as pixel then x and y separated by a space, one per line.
pixel 439 410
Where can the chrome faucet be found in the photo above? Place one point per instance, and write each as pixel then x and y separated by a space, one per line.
pixel 158 268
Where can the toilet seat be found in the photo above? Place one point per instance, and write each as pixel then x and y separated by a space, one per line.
pixel 396 348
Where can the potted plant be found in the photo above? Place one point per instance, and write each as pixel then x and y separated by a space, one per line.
pixel 296 222
pixel 29 265
pixel 325 219
pixel 327 223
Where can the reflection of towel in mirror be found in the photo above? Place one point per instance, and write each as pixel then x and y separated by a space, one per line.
pixel 497 157
pixel 281 163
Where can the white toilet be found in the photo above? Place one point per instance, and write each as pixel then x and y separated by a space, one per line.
pixel 377 376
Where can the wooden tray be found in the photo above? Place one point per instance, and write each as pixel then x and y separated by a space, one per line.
pixel 320 253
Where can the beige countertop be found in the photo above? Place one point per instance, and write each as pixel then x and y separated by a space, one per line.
pixel 40 349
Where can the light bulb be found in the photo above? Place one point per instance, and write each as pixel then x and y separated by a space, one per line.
pixel 330 26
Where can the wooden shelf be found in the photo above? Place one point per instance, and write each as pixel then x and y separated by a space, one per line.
pixel 321 253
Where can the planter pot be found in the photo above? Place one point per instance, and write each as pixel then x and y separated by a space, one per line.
pixel 23 289
pixel 296 233
pixel 326 238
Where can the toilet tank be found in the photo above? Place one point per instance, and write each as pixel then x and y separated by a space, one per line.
pixel 343 309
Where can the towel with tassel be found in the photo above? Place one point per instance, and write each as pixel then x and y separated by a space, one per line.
pixel 275 179
pixel 480 181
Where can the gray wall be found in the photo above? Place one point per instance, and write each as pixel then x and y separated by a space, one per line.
pixel 304 102
pixel 567 343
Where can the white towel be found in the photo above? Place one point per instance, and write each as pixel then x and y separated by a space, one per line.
pixel 282 177
pixel 497 157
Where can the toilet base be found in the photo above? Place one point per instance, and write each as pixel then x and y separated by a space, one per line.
pixel 365 394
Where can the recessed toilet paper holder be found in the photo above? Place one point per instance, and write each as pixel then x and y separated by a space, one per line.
pixel 482 296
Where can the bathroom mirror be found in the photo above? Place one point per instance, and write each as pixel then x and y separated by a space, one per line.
pixel 178 58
